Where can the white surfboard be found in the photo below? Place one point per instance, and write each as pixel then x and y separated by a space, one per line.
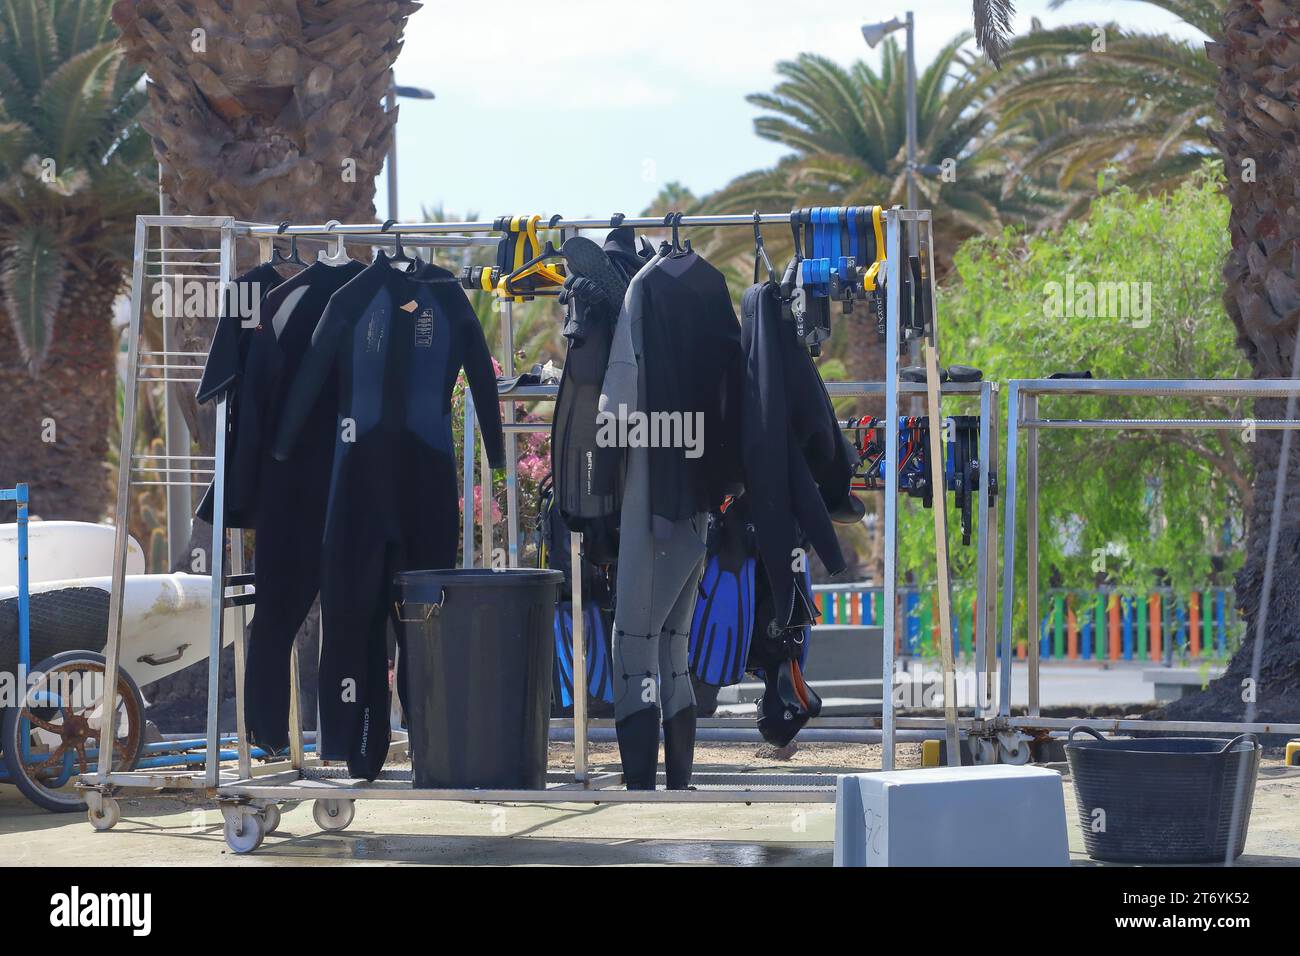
pixel 62 550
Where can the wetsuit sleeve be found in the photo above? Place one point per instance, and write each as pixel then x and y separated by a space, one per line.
pixel 311 378
pixel 482 379
pixel 618 393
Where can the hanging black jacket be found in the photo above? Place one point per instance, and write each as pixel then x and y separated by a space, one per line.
pixel 797 463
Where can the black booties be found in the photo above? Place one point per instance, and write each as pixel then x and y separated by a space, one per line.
pixel 638 747
pixel 679 748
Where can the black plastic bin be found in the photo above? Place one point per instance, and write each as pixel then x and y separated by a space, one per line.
pixel 1164 799
pixel 478 658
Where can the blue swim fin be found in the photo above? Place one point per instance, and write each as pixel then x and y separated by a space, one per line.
pixel 723 623
pixel 600 676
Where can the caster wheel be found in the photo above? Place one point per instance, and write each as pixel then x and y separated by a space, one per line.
pixel 333 814
pixel 244 832
pixel 271 817
pixel 108 817
pixel 1016 753
pixel 985 751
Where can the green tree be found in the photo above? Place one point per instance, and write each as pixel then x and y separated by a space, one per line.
pixel 1161 504
pixel 74 171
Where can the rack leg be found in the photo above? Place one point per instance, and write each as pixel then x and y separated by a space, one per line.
pixel 485 494
pixel 241 650
pixel 1009 491
pixel 508 418
pixel 579 661
pixel 989 513
pixel 117 589
pixel 1031 560
pixel 467 484
pixel 893 250
pixel 982 555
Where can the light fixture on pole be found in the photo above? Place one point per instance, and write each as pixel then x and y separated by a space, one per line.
pixel 874 33
pixel 390 104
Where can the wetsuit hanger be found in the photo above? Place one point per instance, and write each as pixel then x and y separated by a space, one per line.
pixel 293 258
pixel 338 256
pixel 400 253
pixel 686 244
pixel 760 251
pixel 665 247
pixel 537 266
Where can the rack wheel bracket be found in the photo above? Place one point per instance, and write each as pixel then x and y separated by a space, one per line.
pixel 103 812
pixel 244 828
pixel 1013 748
pixel 984 751
pixel 333 815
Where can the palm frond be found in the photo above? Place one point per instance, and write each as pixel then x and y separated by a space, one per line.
pixel 993 29
pixel 32 280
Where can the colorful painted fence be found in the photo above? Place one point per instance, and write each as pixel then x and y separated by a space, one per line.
pixel 1097 625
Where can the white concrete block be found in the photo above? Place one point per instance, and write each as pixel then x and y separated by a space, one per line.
pixel 952 816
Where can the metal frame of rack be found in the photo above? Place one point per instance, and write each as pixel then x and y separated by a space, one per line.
pixel 1022 402
pixel 247 795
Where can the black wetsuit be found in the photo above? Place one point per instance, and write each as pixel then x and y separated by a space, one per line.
pixel 291 496
pixel 221 376
pixel 398 343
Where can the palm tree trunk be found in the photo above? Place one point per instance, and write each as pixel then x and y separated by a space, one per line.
pixel 55 428
pixel 1260 128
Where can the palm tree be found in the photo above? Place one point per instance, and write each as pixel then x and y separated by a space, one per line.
pixel 847 132
pixel 74 170
pixel 1262 297
pixel 1142 105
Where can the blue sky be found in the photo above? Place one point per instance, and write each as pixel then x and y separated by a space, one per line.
pixel 587 107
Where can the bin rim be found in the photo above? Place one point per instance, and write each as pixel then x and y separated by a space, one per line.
pixel 1151 746
pixel 479 577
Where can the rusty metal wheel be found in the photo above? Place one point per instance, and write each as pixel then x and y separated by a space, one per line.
pixel 53 737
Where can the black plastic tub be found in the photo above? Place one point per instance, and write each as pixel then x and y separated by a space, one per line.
pixel 1163 799
pixel 478 649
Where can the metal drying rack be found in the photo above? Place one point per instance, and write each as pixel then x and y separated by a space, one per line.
pixel 249 796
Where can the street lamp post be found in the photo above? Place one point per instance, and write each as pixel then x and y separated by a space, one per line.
pixel 873 33
pixel 390 104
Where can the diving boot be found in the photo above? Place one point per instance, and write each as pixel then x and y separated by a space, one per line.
pixel 638 748
pixel 679 748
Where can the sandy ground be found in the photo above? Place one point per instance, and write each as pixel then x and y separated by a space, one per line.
pixel 169 832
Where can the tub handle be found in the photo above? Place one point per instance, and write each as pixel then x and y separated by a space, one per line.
pixel 155 661
pixel 1086 730
pixel 429 609
pixel 1254 742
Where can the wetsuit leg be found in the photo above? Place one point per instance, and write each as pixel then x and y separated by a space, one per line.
pixel 290 525
pixel 355 608
pixel 653 570
pixel 675 689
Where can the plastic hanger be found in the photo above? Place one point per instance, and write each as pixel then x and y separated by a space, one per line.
pixel 536 267
pixel 278 257
pixel 399 254
pixel 338 256
pixel 760 251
